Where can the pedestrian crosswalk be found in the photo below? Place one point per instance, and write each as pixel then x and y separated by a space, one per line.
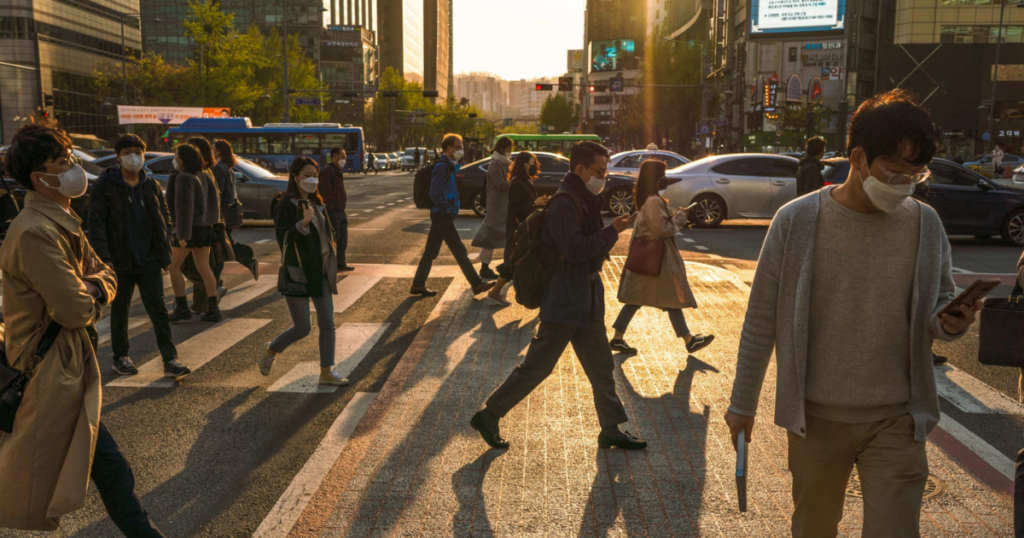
pixel 353 343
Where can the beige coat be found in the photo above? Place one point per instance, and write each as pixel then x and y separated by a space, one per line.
pixel 45 462
pixel 670 289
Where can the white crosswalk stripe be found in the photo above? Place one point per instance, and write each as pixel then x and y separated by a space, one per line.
pixel 353 344
pixel 246 292
pixel 351 288
pixel 971 395
pixel 194 352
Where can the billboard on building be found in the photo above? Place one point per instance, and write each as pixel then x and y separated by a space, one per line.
pixel 166 115
pixel 780 16
pixel 613 55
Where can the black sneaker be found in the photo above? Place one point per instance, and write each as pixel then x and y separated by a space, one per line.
pixel 939 359
pixel 620 439
pixel 699 342
pixel 487 273
pixel 175 369
pixel 620 345
pixel 124 366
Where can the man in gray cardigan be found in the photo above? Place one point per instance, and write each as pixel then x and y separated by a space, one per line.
pixel 848 292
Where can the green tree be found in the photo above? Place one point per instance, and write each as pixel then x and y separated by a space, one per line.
pixel 559 112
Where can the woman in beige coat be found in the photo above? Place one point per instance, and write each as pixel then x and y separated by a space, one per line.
pixel 51 273
pixel 668 291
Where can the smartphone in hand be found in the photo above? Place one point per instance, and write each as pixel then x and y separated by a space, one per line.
pixel 974 293
pixel 741 470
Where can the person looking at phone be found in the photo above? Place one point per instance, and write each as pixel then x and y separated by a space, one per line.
pixel 309 260
pixel 848 292
pixel 670 290
pixel 575 243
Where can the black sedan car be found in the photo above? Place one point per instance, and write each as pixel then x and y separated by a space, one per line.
pixel 618 192
pixel 967 202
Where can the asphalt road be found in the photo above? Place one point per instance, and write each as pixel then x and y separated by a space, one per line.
pixel 214 453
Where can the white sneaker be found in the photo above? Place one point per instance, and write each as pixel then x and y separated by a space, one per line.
pixel 333 379
pixel 266 360
pixel 500 301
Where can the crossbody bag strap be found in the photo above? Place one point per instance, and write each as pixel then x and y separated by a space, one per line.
pixel 49 337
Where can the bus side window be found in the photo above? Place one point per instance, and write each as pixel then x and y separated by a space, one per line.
pixel 306 144
pixel 277 144
pixel 257 145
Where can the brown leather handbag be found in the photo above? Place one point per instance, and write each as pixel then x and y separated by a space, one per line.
pixel 645 256
pixel 1001 331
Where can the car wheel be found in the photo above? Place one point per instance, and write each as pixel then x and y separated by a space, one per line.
pixel 478 204
pixel 710 211
pixel 1013 229
pixel 620 202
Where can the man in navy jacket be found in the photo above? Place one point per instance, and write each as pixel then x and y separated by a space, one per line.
pixel 445 195
pixel 575 243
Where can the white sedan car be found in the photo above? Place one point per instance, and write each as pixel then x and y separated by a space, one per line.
pixel 628 163
pixel 744 185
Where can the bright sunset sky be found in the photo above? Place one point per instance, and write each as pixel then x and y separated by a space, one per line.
pixel 516 39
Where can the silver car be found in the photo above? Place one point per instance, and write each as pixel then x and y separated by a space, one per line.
pixel 745 185
pixel 628 163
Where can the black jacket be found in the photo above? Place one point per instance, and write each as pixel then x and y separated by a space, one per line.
pixel 224 176
pixel 808 176
pixel 304 250
pixel 522 198
pixel 110 219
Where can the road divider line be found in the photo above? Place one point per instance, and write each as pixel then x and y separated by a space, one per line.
pixel 194 352
pixel 351 288
pixel 971 395
pixel 974 454
pixel 289 507
pixel 352 344
pixel 698 247
pixel 688 240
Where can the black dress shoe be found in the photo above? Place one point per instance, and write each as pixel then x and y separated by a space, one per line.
pixel 623 440
pixel 489 432
pixel 619 345
pixel 346 268
pixel 422 291
pixel 699 342
pixel 939 359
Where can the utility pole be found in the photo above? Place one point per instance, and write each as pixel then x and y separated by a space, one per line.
pixel 287 103
pixel 995 78
pixel 702 151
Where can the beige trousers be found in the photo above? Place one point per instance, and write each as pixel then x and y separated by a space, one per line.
pixel 893 470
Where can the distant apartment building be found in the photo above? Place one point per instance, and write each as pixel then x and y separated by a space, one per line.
pixel 487 93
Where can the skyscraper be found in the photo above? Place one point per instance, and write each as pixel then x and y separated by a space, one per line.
pixel 437 46
pixel 400 37
pixel 354 13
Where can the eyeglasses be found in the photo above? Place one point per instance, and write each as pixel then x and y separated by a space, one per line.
pixel 600 173
pixel 893 178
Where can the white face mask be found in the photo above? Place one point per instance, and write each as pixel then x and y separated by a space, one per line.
pixel 309 184
pixel 177 164
pixel 884 196
pixel 458 154
pixel 132 162
pixel 596 185
pixel 73 183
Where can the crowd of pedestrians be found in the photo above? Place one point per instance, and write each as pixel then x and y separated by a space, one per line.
pixel 855 383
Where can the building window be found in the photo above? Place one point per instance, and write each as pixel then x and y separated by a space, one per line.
pixel 792 54
pixel 980 34
pixel 794 89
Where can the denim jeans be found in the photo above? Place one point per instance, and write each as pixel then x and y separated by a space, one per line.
pixel 151 291
pixel 675 315
pixel 339 221
pixel 115 481
pixel 299 309
pixel 442 230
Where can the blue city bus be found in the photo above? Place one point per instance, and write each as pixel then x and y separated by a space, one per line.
pixel 275 145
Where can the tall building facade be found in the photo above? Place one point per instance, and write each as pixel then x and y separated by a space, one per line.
pixel 361 13
pixel 348 63
pixel 615 36
pixel 59 45
pixel 437 46
pixel 485 92
pixel 400 37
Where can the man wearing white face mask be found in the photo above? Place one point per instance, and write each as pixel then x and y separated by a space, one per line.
pixel 848 293
pixel 129 228
pixel 445 196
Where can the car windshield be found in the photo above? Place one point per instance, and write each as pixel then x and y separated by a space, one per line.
pixel 253 170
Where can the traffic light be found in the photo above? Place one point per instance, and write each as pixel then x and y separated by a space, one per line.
pixel 545 87
pixel 47 99
pixel 594 88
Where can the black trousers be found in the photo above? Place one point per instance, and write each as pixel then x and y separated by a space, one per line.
pixel 339 221
pixel 442 230
pixel 115 481
pixel 1018 497
pixel 151 290
pixel 591 347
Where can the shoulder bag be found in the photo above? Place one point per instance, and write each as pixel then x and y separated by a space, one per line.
pixel 1001 331
pixel 645 255
pixel 291 280
pixel 233 216
pixel 14 381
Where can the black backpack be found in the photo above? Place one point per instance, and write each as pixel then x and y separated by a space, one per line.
pixel 421 185
pixel 530 276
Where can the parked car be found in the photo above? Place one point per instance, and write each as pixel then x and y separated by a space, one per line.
pixel 102 152
pixel 628 163
pixel 82 153
pixel 257 188
pixel 982 164
pixel 409 157
pixel 618 192
pixel 396 162
pixel 967 202
pixel 743 185
pixel 383 161
pixel 1018 177
pixel 80 205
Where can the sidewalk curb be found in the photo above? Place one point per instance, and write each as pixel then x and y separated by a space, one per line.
pixel 972 459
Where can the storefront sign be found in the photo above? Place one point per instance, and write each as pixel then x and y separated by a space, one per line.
pixel 831 73
pixel 822 59
pixel 823 46
pixel 771 95
pixel 344 28
pixel 167 115
pixel 1008 133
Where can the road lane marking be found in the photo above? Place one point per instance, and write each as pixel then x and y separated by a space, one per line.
pixel 971 395
pixel 289 507
pixel 698 247
pixel 473 255
pixel 714 256
pixel 351 288
pixel 380 207
pixel 366 229
pixel 353 343
pixel 194 352
pixel 261 241
pixel 688 240
pixel 103 327
pixel 245 292
pixel 979 446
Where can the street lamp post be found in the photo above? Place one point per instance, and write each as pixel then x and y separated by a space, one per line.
pixel 995 75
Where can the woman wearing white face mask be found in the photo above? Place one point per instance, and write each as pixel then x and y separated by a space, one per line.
pixel 492 232
pixel 309 268
pixel 196 209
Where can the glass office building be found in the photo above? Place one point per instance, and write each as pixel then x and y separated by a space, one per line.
pixel 59 46
pixel 401 37
pixel 348 63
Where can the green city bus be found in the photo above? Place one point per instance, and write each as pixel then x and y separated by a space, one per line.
pixel 554 143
